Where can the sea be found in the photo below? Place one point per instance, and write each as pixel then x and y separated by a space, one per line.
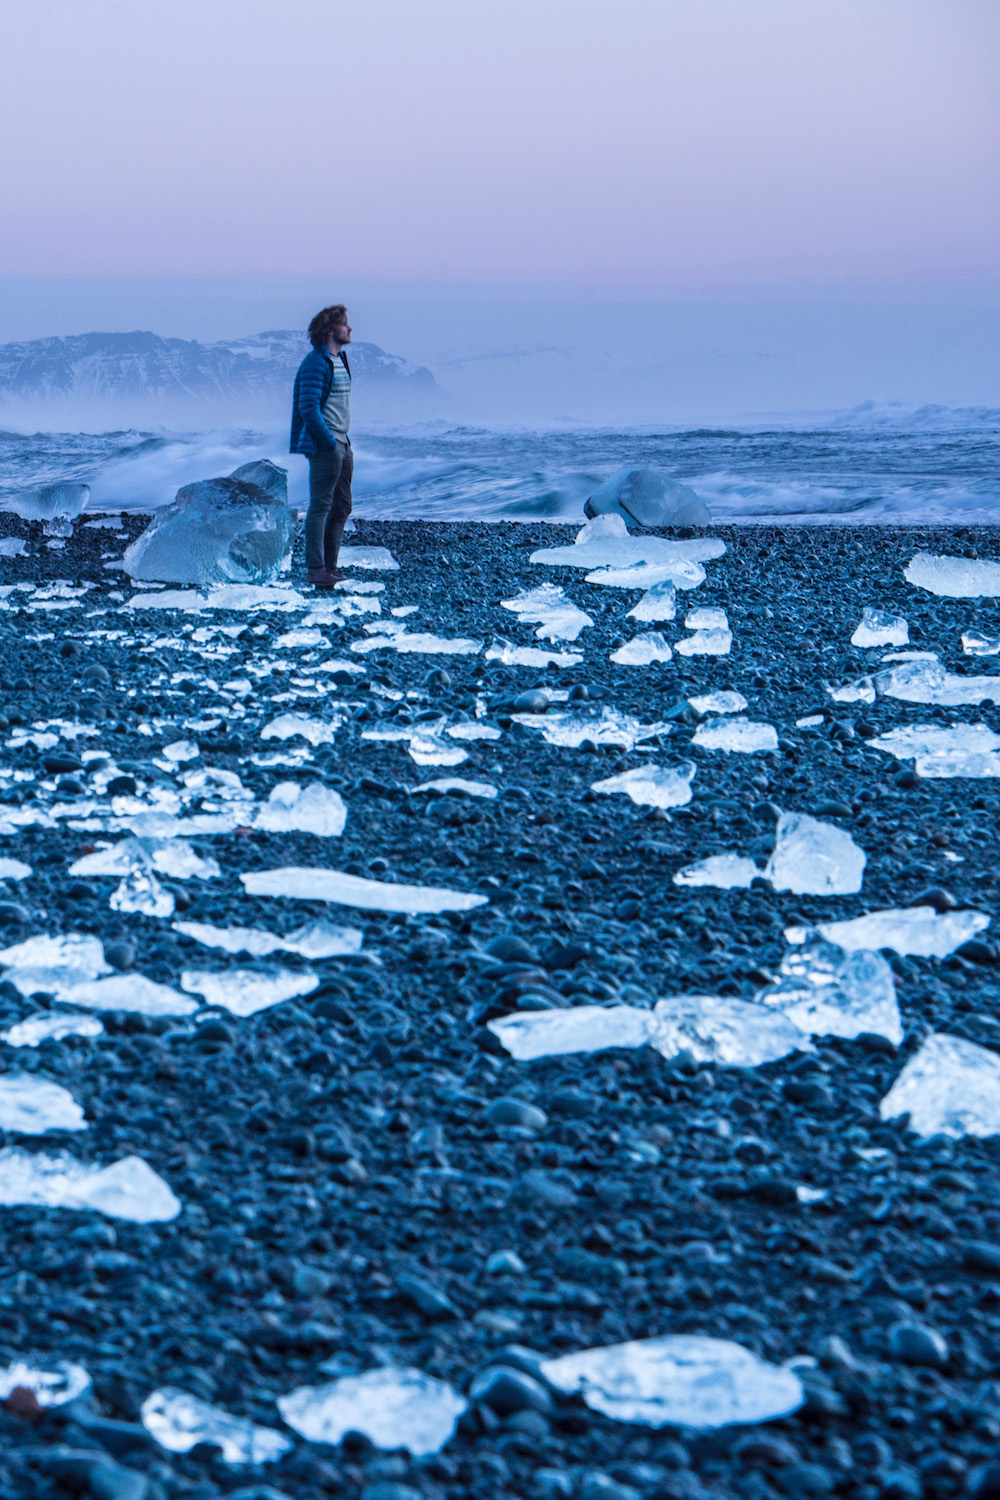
pixel 882 464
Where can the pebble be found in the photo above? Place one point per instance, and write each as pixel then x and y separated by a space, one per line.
pixel 916 1344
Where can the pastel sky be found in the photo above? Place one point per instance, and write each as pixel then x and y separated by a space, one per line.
pixel 667 142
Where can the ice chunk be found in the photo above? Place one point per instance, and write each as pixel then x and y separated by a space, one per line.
pixel 974 643
pixel 173 857
pixel 30 1106
pixel 743 736
pixel 949 763
pixel 603 526
pixel 304 884
pixel 53 964
pixel 53 502
pixel 642 650
pixel 951 1087
pixel 925 680
pixel 652 786
pixel 706 643
pixel 393 634
pixel 657 603
pixel 826 991
pixel 14 869
pixel 683 1380
pixel 179 1422
pixel 299 639
pixel 428 750
pixel 287 726
pixel 216 531
pixel 182 750
pixel 374 559
pixel 128 1189
pixel 862 691
pixel 315 940
pixel 814 858
pixel 912 740
pixel 291 808
pixel 723 702
pixel 580 1028
pixel 677 560
pixel 880 628
pixel 447 784
pixel 129 992
pixel 392 1407
pixel 728 872
pixel 472 732
pixel 917 930
pixel 13 546
pixel 243 992
pixel 721 1030
pixel 530 656
pixel 706 617
pixel 548 607
pixel 682 572
pixel 644 497
pixel 954 577
pixel 50 1025
pixel 53 1387
pixel 140 891
pixel 609 727
pixel 810 721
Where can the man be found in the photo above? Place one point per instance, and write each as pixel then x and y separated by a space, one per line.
pixel 321 420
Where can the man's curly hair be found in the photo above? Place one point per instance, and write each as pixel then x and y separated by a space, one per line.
pixel 325 322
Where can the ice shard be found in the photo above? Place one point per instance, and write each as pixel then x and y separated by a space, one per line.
pixel 728 872
pixel 127 992
pixel 244 992
pixel 305 884
pixel 643 650
pixel 376 559
pixel 52 965
pixel 445 784
pixel 54 1386
pixel 717 1029
pixel 740 736
pixel 549 607
pixel 53 502
pixel 683 1380
pixel 179 1422
pixel 315 940
pixel 128 1189
pixel 724 701
pixel 31 1106
pixel 879 627
pixel 951 1087
pixel 652 786
pixel 51 1025
pixel 924 680
pixel 393 634
pixel 954 577
pixel 291 808
pixel 579 1028
pixel 530 656
pixel 392 1407
pixel 825 991
pixel 814 858
pixel 679 561
pixel 288 726
pixel 861 691
pixel 657 603
pixel 916 930
pixel 975 643
pixel 608 727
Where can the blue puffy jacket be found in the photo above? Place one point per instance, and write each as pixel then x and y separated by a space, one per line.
pixel 313 384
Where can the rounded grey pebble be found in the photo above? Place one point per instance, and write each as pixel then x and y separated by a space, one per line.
pixel 516 1112
pixel 505 1390
pixel 916 1344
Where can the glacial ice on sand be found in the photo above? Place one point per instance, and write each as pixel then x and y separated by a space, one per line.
pixel 550 608
pixel 428 750
pixel 291 808
pixel 530 656
pixel 393 634
pixel 128 1189
pixel 372 559
pixel 725 701
pixel 861 691
pixel 609 727
pixel 644 497
pixel 683 1380
pixel 173 857
pixel 974 643
pixel 814 858
pixel 179 1422
pixel 580 1028
pixel 53 502
pixel 244 596
pixel 826 991
pixel 315 940
pixel 925 681
pixel 14 869
pixel 712 635
pixel 53 964
pixel 31 1106
pixel 951 1087
pixel 55 1386
pixel 727 872
pixel 304 884
pixel 619 552
pixel 919 931
pixel 946 764
pixel 125 992
pixel 51 1025
pixel 742 736
pixel 445 784
pixel 954 577
pixel 652 786
pixel 657 603
pixel 140 891
pixel 244 992
pixel 232 530
pixel 392 1407
pixel 717 1029
pixel 288 726
pixel 912 740
pixel 880 628
pixel 643 650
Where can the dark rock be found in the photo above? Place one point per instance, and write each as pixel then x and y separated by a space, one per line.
pixel 507 1390
pixel 916 1344
pixel 940 899
pixel 982 1258
pixel 427 1298
pixel 516 1112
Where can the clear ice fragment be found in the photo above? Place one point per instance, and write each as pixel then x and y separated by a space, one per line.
pixel 924 680
pixel 826 991
pixel 31 1106
pixel 919 931
pixel 52 965
pixel 173 857
pixel 643 650
pixel 300 639
pixel 548 607
pixel 880 628
pixel 179 1422
pixel 725 701
pixel 951 1087
pixel 288 726
pixel 127 992
pixel 652 786
pixel 580 1028
pixel 862 691
pixel 428 750
pixel 14 869
pixel 743 736
pixel 315 940
pixel 727 872
pixel 51 1025
pixel 393 634
pixel 291 808
pixel 658 602
pixel 445 784
pixel 218 531
pixel 182 750
pixel 678 560
pixel 373 559
pixel 244 992
pixel 53 1387
pixel 954 577
pixel 53 502
pixel 814 858
pixel 715 1029
pixel 974 643
pixel 128 1189
pixel 912 740
pixel 472 731
pixel 530 656
pixel 304 884
pixel 683 1380
pixel 609 727
pixel 140 891
pixel 392 1407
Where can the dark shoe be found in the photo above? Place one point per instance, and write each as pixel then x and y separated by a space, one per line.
pixel 336 575
pixel 320 578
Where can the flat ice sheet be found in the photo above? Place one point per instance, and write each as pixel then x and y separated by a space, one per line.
pixel 394 1408
pixel 530 656
pixel 305 884
pixel 30 1106
pixel 315 940
pixel 717 1029
pixel 725 701
pixel 179 1421
pixel 50 1026
pixel 445 784
pixel 376 559
pixel 550 608
pixel 579 1028
pixel 742 736
pixel 954 577
pixel 393 635
pixel 652 786
pixel 128 1189
pixel 244 992
pixel 919 931
pixel 727 872
pixel 608 727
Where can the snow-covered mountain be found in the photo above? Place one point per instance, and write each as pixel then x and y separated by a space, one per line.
pixel 118 366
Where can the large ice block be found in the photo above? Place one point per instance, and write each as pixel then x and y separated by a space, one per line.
pixel 814 858
pixel 825 991
pixel 53 502
pixel 642 497
pixel 954 577
pixel 951 1087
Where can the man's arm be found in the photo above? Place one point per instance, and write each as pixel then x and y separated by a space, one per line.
pixel 310 403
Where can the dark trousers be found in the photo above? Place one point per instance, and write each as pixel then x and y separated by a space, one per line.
pixel 330 474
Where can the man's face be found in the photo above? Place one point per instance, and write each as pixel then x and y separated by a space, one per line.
pixel 342 332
